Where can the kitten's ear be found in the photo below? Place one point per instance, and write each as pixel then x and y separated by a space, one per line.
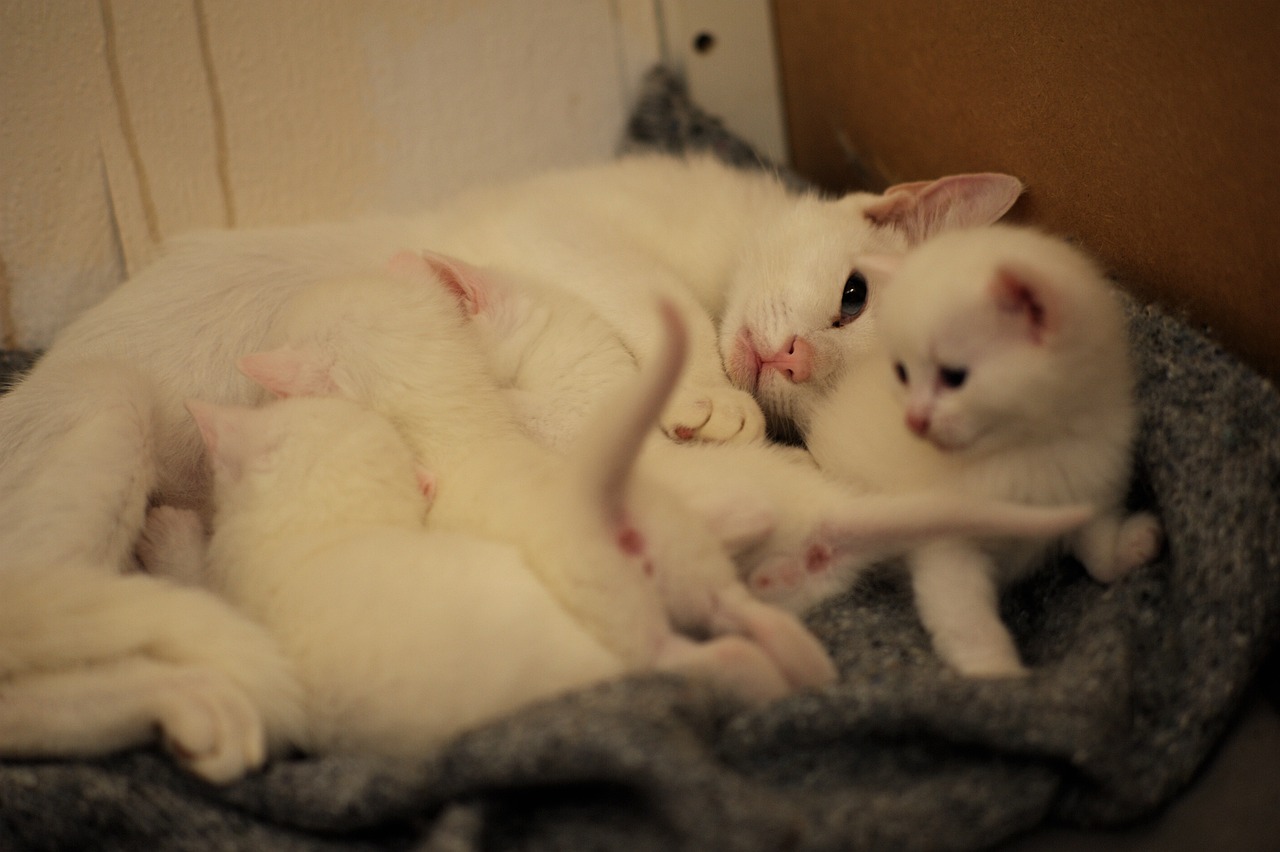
pixel 222 430
pixel 924 208
pixel 466 282
pixel 1028 300
pixel 287 372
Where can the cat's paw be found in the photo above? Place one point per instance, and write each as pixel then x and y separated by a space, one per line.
pixel 171 544
pixel 717 415
pixel 795 583
pixel 991 666
pixel 209 725
pixel 1139 541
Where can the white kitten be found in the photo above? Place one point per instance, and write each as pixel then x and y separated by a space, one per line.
pixel 778 515
pixel 401 637
pixel 1013 382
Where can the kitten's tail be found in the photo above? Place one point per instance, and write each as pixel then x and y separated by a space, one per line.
pixel 885 525
pixel 60 618
pixel 612 441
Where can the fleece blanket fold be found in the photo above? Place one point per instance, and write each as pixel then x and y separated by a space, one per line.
pixel 1133 686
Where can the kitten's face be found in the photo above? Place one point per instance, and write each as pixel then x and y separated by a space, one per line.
pixel 967 383
pixel 803 306
pixel 980 343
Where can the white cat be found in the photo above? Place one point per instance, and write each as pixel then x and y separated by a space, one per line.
pixel 401 637
pixel 765 277
pixel 1005 373
pixel 98 426
pixel 768 504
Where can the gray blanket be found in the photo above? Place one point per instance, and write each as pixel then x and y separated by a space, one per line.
pixel 1132 687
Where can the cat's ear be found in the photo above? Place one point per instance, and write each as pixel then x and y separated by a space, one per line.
pixel 466 282
pixel 1029 301
pixel 222 428
pixel 924 208
pixel 287 372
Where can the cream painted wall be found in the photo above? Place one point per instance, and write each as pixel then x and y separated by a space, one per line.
pixel 123 122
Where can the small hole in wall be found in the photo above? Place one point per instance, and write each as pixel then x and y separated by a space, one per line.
pixel 703 42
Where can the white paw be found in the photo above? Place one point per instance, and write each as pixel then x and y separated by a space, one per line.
pixel 209 725
pixel 171 544
pixel 989 665
pixel 715 414
pixel 1139 541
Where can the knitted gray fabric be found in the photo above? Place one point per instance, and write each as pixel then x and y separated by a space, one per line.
pixel 1132 687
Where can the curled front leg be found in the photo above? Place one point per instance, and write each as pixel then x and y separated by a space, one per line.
pixel 716 414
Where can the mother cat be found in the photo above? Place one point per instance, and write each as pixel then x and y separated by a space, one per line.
pixel 98 427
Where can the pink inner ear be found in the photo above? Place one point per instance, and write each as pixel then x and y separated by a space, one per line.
pixel 288 372
pixel 206 417
pixel 1014 295
pixel 921 209
pixel 466 282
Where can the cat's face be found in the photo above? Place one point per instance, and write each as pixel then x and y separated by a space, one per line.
pixel 981 341
pixel 804 302
pixel 803 306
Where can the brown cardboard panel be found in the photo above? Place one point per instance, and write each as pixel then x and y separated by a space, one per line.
pixel 1149 130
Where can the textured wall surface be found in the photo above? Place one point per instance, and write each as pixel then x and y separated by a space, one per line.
pixel 123 122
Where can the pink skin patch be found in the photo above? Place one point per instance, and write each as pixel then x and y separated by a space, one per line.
pixel 685 433
pixel 817 559
pixel 794 360
pixel 630 540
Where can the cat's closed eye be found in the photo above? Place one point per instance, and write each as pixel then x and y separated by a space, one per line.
pixel 853 301
pixel 900 370
pixel 952 377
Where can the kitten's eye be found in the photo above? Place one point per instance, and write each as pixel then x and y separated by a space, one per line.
pixel 854 299
pixel 952 377
pixel 900 371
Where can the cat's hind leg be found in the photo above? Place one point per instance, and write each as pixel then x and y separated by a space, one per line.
pixel 794 650
pixel 958 601
pixel 1112 545
pixel 731 662
pixel 206 722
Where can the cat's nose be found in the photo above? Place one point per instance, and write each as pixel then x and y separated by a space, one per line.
pixel 795 360
pixel 918 423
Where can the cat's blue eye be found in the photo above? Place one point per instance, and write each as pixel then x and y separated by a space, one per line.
pixel 952 377
pixel 900 370
pixel 853 301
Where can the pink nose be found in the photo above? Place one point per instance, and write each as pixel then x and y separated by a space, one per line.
pixel 795 359
pixel 918 423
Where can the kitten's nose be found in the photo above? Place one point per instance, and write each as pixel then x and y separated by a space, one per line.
pixel 918 423
pixel 795 359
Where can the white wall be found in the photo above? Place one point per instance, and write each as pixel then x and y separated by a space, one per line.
pixel 123 122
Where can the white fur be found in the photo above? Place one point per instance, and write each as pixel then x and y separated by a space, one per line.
pixel 98 426
pixel 1044 416
pixel 738 253
pixel 401 637
pixel 796 534
pixel 576 519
